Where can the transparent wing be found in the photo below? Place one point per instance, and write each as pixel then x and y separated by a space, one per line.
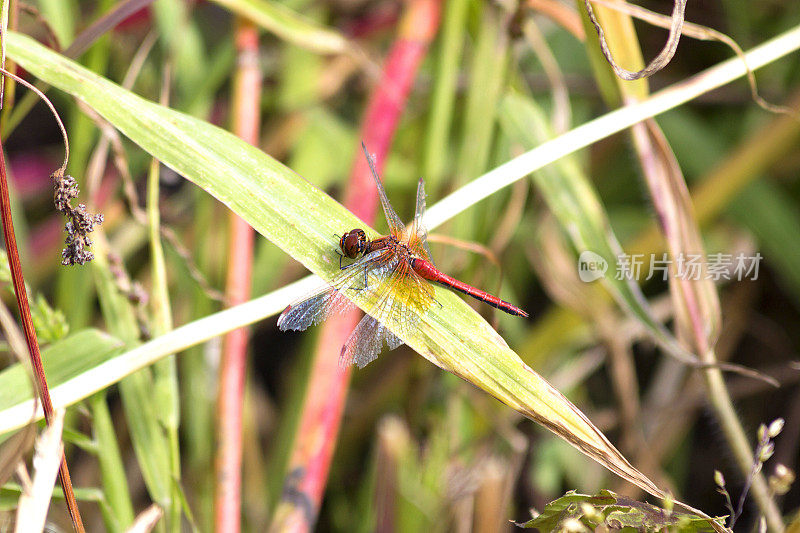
pixel 396 226
pixel 323 302
pixel 313 309
pixel 392 294
pixel 366 342
pixel 417 235
pixel 401 300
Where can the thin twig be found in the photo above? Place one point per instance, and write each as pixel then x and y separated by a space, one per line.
pixel 52 38
pixel 562 114
pixel 660 61
pixel 104 25
pixel 41 95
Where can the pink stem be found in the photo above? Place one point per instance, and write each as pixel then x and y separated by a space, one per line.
pixel 228 486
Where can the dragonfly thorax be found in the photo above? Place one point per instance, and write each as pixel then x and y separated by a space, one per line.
pixel 353 243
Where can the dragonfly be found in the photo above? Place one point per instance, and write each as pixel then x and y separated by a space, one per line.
pixel 390 275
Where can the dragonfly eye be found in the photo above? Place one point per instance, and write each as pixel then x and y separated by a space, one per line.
pixel 352 243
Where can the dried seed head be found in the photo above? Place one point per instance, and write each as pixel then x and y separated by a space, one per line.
pixel 79 222
pixel 66 188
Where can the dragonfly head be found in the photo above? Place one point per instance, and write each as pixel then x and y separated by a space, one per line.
pixel 353 243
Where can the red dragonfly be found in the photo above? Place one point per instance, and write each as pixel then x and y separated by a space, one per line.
pixel 390 275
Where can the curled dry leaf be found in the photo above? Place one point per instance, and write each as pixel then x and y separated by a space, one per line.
pixel 660 61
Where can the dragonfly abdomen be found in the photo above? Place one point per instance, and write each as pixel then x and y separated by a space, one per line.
pixel 426 270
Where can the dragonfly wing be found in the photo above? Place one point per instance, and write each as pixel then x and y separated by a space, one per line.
pixel 403 298
pixel 401 301
pixel 323 302
pixel 366 342
pixel 313 309
pixel 417 234
pixel 391 293
pixel 419 212
pixel 396 226
pixel 392 340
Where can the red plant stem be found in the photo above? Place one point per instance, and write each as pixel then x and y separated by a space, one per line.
pixel 228 485
pixel 30 335
pixel 327 388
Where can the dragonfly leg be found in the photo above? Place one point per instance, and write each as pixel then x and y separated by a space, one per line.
pixel 366 283
pixel 341 266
